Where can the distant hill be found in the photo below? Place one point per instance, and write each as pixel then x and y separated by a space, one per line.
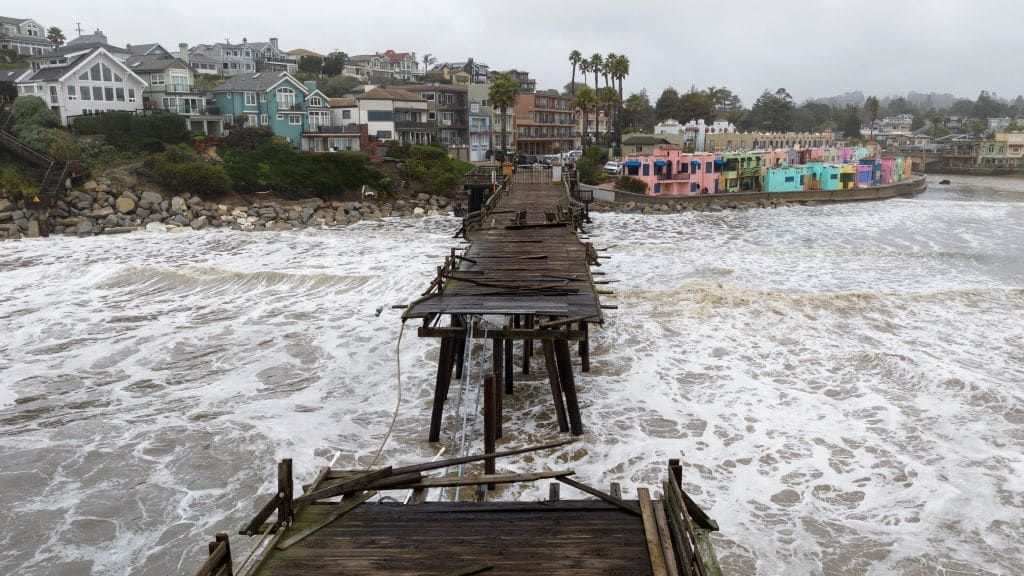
pixel 856 98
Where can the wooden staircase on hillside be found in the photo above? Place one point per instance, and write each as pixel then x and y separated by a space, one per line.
pixel 56 173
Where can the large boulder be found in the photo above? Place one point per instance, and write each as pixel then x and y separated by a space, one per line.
pixel 33 229
pixel 102 211
pixel 84 228
pixel 418 212
pixel 124 204
pixel 178 205
pixel 150 198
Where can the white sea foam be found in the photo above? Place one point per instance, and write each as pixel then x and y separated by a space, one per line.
pixel 841 382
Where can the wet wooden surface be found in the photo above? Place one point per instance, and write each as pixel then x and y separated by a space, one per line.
pixel 532 538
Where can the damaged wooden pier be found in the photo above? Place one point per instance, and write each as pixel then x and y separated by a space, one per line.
pixel 525 277
pixel 334 528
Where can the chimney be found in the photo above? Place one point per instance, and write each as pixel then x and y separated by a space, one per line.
pixel 183 52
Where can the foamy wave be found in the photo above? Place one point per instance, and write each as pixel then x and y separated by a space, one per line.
pixel 217 279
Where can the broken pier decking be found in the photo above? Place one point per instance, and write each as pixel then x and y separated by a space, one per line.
pixel 313 534
pixel 525 264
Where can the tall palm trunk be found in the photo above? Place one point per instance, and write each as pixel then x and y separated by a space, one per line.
pixel 504 139
pixel 597 119
pixel 572 87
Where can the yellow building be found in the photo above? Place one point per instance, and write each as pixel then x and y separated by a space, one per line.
pixel 1014 142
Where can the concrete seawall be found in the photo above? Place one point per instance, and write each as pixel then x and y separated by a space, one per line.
pixel 911 187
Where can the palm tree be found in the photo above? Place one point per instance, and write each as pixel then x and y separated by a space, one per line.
pixel 55 36
pixel 936 120
pixel 620 69
pixel 428 61
pixel 575 58
pixel 608 98
pixel 502 94
pixel 596 65
pixel 585 100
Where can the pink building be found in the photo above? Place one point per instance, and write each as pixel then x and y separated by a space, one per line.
pixel 846 155
pixel 888 170
pixel 668 171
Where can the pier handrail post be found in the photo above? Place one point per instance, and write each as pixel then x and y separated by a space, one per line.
pixel 285 490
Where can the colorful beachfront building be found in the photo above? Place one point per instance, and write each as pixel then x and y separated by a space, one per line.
pixel 672 172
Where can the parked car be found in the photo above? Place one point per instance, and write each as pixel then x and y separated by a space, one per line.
pixel 574 155
pixel 551 159
pixel 525 159
pixel 613 167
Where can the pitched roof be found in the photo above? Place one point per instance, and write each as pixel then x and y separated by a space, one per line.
pixel 255 82
pixel 144 49
pixel 341 102
pixel 153 62
pixel 432 87
pixel 303 52
pixel 644 140
pixel 72 48
pixel 8 20
pixel 390 94
pixel 12 75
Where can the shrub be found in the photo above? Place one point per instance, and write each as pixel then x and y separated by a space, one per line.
pixel 246 140
pixel 13 185
pixel 63 147
pixel 433 169
pixel 180 170
pixel 630 184
pixel 31 112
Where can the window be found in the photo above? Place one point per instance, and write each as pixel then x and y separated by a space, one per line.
pixel 97 93
pixel 156 79
pixel 264 119
pixel 120 94
pixel 85 92
pixel 131 94
pixel 250 98
pixel 789 179
pixel 118 78
pixel 225 65
pixel 379 115
pixel 280 116
pixel 107 76
pixel 248 53
pixel 285 98
pixel 108 94
pixel 428 96
pixel 72 92
pixel 447 118
pixel 94 73
pixel 346 114
pixel 431 115
pixel 84 76
pixel 248 66
pixel 316 101
pixel 647 169
pixel 384 134
pixel 263 96
pixel 229 118
pixel 707 167
pixel 294 119
pixel 54 98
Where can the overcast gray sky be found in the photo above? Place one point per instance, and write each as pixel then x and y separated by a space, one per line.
pixel 811 48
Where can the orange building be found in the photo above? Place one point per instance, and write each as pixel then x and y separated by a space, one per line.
pixel 543 123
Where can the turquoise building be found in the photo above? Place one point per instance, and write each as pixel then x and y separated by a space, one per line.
pixel 825 176
pixel 274 100
pixel 787 178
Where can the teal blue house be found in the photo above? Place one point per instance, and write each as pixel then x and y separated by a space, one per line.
pixel 826 176
pixel 274 100
pixel 787 178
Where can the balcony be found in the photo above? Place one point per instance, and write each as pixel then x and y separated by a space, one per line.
pixel 410 125
pixel 289 107
pixel 349 129
pixel 182 89
pixel 678 176
pixel 188 110
pixel 748 171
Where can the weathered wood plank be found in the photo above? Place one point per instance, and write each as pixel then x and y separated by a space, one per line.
pixel 654 548
pixel 341 510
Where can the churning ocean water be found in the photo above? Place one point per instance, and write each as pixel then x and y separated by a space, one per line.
pixel 843 383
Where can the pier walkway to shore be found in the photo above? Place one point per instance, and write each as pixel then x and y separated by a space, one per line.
pixel 524 277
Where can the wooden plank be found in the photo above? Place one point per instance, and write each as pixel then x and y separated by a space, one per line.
pixel 352 485
pixel 671 567
pixel 341 510
pixel 602 495
pixel 490 421
pixel 469 570
pixel 654 548
pixel 553 381
pixel 253 526
pixel 473 480
pixel 478 457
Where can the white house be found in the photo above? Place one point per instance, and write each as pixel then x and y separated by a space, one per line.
pixel 24 36
pixel 397 65
pixel 82 79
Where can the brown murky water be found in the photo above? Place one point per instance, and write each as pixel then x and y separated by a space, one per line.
pixel 843 383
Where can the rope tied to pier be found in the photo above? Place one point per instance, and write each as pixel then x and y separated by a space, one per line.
pixel 398 399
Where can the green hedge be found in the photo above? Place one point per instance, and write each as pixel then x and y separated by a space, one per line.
pixel 125 130
pixel 275 165
pixel 630 184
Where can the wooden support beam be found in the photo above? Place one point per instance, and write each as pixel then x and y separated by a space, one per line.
pixel 527 344
pixel 614 501
pixel 553 491
pixel 491 394
pixel 699 516
pixel 665 538
pixel 585 347
pixel 441 384
pixel 568 385
pixel 509 366
pixel 285 489
pixel 254 525
pixel 219 558
pixel 473 480
pixel 616 490
pixel 478 457
pixel 556 389
pixel 654 549
pixel 498 367
pixel 351 485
